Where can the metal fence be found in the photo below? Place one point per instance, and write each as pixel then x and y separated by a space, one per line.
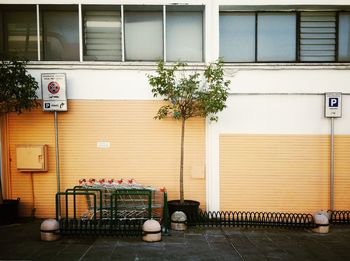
pixel 123 227
pixel 101 211
pixel 122 212
pixel 247 218
pixel 340 217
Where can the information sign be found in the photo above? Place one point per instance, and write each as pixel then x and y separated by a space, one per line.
pixel 333 105
pixel 53 86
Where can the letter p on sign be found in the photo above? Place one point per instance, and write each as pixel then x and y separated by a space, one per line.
pixel 333 102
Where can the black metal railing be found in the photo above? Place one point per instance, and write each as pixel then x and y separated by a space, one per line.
pixel 340 217
pixel 123 212
pixel 125 227
pixel 250 218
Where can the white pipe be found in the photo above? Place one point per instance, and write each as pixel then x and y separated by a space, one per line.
pixel 80 34
pixel 332 167
pixel 38 31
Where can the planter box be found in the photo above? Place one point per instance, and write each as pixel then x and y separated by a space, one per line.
pixel 9 211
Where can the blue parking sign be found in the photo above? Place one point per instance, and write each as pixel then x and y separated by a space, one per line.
pixel 333 105
pixel 333 102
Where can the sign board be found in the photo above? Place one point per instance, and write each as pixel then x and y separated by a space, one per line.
pixel 53 86
pixel 333 105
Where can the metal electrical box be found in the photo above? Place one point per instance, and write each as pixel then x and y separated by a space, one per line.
pixel 32 158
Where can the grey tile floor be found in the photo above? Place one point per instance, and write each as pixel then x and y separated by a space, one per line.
pixel 22 242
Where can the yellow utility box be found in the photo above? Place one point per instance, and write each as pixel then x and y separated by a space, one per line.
pixel 32 158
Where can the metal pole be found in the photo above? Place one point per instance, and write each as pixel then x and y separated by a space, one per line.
pixel 57 155
pixel 58 200
pixel 332 167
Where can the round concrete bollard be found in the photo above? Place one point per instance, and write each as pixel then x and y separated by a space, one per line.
pixel 49 230
pixel 322 221
pixel 178 221
pixel 152 231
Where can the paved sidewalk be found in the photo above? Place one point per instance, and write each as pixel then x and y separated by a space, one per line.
pixel 22 242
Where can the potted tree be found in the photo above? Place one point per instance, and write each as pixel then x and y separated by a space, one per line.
pixel 17 93
pixel 188 95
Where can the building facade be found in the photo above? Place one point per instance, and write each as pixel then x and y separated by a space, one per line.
pixel 270 149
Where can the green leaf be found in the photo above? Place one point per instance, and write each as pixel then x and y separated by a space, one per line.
pixel 17 87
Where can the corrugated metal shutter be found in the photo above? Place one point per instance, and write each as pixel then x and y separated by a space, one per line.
pixel 35 128
pixel 141 147
pixel 318 36
pixel 284 173
pixel 102 36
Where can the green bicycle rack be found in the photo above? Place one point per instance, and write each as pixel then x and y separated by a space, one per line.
pixel 117 212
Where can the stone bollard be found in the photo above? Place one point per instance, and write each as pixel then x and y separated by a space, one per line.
pixel 178 221
pixel 152 231
pixel 322 221
pixel 50 230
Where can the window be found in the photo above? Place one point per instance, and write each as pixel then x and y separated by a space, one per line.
pixel 184 34
pixel 263 37
pixel 19 32
pixel 143 33
pixel 276 37
pixel 237 37
pixel 322 36
pixel 108 32
pixel 318 36
pixel 344 36
pixel 60 30
pixel 102 33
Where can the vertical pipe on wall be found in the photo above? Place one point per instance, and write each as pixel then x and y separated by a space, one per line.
pixel 38 31
pixel 164 33
pixel 332 167
pixel 80 33
pixel 122 32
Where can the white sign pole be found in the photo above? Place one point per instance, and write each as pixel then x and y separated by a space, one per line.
pixel 54 93
pixel 57 153
pixel 332 167
pixel 58 177
pixel 333 109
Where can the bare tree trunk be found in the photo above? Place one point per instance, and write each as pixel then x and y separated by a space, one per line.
pixel 182 198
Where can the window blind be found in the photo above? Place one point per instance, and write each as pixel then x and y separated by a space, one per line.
pixel 318 36
pixel 102 36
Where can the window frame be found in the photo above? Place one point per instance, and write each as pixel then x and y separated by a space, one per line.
pixel 56 8
pixel 142 9
pixel 338 37
pixel 297 31
pixel 183 9
pixel 89 8
pixel 8 8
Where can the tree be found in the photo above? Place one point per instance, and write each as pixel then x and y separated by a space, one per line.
pixel 189 95
pixel 17 90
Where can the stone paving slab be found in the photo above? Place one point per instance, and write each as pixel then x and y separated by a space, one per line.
pixel 22 242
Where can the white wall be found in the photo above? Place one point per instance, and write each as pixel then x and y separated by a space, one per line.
pixel 103 84
pixel 116 82
pixel 269 114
